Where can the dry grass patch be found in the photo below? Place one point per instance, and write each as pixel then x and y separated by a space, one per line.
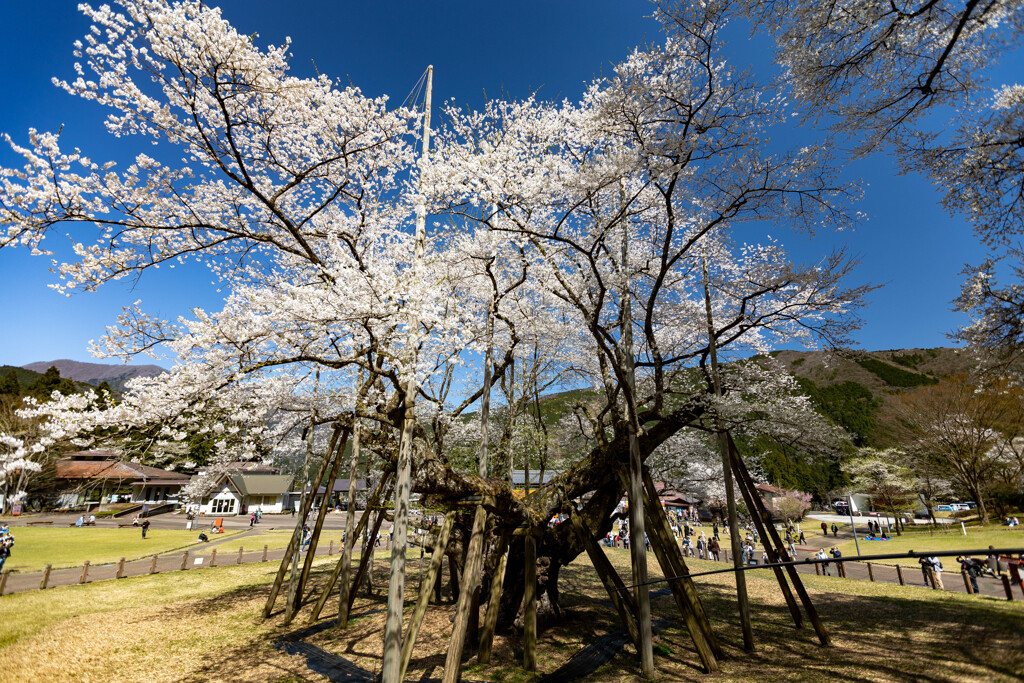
pixel 204 625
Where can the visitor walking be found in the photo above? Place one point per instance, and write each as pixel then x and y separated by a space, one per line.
pixel 145 528
pixel 714 548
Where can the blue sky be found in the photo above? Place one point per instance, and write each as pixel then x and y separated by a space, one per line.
pixel 909 244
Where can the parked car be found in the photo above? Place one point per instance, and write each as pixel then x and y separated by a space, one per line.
pixel 958 507
pixel 841 507
pixel 944 508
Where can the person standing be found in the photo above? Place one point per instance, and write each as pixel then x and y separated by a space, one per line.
pixel 145 528
pixel 970 566
pixel 824 565
pixel 835 530
pixel 5 549
pixel 935 568
pixel 824 528
pixel 714 531
pixel 802 540
pixel 836 554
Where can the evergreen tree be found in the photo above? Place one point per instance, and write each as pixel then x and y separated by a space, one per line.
pixel 9 384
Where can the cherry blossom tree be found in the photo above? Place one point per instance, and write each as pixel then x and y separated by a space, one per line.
pixel 571 245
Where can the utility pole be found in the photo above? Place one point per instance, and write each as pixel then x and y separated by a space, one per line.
pixel 637 534
pixel 391 672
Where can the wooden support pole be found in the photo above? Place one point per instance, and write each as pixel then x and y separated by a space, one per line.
pixel 293 543
pixel 967 582
pixel 350 535
pixel 184 561
pixel 365 559
pixel 817 569
pixel 673 564
pixel 240 551
pixel 433 576
pixel 617 591
pixel 152 565
pixel 345 561
pixel 470 581
pixel 264 553
pixel 85 572
pixel 491 616
pixel 1006 585
pixel 529 605
pixel 794 576
pixel 296 597
pixel 330 548
pixel 213 557
pixel 46 578
pixel 760 524
pixel 899 575
pixel 871 572
pixel 120 569
pixel 3 580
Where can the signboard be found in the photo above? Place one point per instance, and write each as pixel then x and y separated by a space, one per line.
pixel 16 509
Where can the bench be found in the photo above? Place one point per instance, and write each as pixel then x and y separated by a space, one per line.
pixel 47 522
pixel 83 524
pixel 122 525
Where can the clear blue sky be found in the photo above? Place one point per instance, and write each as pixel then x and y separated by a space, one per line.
pixel 909 243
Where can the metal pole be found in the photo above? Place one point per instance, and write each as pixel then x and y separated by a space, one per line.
pixel 849 499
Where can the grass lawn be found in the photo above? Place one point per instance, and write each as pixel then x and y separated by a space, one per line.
pixel 920 541
pixel 35 547
pixel 204 625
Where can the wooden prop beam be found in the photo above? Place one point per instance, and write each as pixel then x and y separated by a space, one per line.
pixel 433 576
pixel 617 591
pixel 296 535
pixel 296 603
pixel 491 617
pixel 470 580
pixel 673 565
pixel 770 548
pixel 530 605
pixel 365 559
pixel 676 557
pixel 349 542
pixel 798 585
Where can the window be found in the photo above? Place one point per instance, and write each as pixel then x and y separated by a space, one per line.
pixel 223 505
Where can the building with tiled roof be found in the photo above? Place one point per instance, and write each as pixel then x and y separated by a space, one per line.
pixel 102 477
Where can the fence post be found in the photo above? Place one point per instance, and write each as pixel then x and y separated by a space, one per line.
pixel 817 569
pixel 85 572
pixel 871 572
pixel 184 561
pixel 120 569
pixel 330 548
pixel 264 553
pixel 152 566
pixel 967 582
pixel 213 557
pixel 1006 585
pixel 46 579
pixel 239 556
pixel 899 575
pixel 3 580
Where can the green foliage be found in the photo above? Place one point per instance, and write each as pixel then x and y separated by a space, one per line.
pixel 894 376
pixel 848 404
pixel 908 360
pixel 798 362
pixel 9 384
pixel 49 382
pixel 788 468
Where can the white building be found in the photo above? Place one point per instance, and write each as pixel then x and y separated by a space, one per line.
pixel 242 493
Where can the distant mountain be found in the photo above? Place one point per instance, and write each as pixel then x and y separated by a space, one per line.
pixel 96 373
